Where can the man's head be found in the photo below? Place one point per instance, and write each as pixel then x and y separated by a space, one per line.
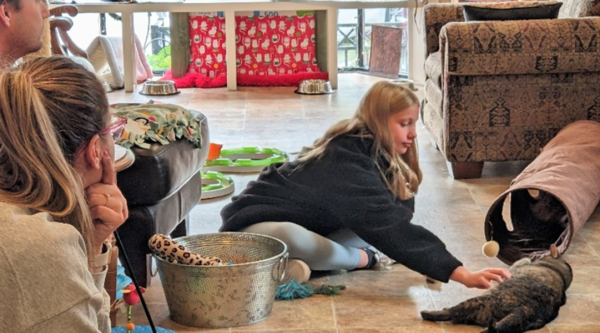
pixel 21 28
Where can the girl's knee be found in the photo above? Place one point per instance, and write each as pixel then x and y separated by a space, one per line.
pixel 284 231
pixel 288 232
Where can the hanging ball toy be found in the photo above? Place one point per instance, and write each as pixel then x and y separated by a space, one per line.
pixel 490 249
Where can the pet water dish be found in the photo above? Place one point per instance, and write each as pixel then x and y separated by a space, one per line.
pixel 159 88
pixel 314 87
pixel 405 83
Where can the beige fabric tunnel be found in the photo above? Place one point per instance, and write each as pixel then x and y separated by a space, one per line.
pixel 551 199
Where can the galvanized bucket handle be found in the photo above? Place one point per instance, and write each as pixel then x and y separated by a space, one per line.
pixel 281 266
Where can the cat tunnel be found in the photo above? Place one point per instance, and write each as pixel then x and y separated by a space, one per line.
pixel 551 199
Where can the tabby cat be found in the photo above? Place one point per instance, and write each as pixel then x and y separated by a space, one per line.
pixel 527 301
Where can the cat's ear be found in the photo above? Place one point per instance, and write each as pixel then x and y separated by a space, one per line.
pixel 554 251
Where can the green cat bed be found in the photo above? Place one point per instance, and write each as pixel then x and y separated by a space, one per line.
pixel 216 184
pixel 245 160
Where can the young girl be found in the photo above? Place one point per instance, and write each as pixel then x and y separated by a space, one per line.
pixel 59 200
pixel 353 189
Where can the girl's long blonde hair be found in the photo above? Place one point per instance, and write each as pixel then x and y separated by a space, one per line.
pixel 400 172
pixel 49 109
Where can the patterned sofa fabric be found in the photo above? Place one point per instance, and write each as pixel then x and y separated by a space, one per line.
pixel 511 117
pixel 438 15
pixel 521 47
pixel 433 67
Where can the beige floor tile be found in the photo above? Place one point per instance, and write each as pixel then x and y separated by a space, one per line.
pixel 595 215
pixel 161 318
pixel 252 328
pixel 586 281
pixel 585 328
pixel 213 105
pixel 218 94
pixel 591 233
pixel 379 312
pixel 338 113
pixel 223 113
pixel 581 255
pixel 375 284
pixel 486 195
pixel 274 108
pixel 312 313
pixel 424 328
pixel 580 309
pixel 449 328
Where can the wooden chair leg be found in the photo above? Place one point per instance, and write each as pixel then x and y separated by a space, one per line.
pixel 465 170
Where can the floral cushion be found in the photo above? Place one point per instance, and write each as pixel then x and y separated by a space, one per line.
pixel 156 123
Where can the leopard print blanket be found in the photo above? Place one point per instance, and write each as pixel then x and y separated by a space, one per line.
pixel 173 252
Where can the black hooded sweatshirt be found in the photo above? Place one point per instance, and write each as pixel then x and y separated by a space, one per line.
pixel 342 189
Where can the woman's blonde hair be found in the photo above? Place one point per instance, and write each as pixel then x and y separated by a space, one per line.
pixel 400 172
pixel 49 109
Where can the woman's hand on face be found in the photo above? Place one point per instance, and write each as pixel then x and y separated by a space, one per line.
pixel 481 279
pixel 107 205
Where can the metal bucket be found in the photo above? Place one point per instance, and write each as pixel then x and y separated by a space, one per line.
pixel 230 295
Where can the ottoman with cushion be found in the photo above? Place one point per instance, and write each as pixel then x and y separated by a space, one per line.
pixel 161 187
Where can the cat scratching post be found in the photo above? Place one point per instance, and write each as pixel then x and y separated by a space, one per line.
pixel 180 44
pixel 551 199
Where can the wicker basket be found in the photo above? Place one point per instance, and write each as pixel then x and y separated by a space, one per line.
pixel 230 295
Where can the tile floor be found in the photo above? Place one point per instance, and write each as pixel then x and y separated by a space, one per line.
pixel 375 301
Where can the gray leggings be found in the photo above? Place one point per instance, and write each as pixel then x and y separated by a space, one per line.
pixel 338 250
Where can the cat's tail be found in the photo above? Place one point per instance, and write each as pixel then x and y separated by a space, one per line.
pixel 443 315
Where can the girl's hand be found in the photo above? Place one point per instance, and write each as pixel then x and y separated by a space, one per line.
pixel 480 279
pixel 107 205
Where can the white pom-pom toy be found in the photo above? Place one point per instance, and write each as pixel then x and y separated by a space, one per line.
pixel 490 249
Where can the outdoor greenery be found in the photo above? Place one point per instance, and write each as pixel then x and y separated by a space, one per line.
pixel 160 60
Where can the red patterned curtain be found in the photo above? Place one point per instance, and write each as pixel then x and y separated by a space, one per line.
pixel 274 44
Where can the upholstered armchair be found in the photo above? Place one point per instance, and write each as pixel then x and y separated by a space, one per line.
pixel 500 90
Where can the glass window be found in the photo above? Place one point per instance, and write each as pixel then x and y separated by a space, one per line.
pixel 354 35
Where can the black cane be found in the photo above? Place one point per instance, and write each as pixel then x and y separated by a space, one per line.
pixel 137 286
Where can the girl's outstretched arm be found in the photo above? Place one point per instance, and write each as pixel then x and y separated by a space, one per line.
pixel 480 279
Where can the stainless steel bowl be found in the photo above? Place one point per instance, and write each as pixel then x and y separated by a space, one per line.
pixel 314 87
pixel 405 83
pixel 159 88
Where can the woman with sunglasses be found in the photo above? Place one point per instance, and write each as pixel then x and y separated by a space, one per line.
pixel 59 201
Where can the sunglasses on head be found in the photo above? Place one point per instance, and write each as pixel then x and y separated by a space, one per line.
pixel 117 124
